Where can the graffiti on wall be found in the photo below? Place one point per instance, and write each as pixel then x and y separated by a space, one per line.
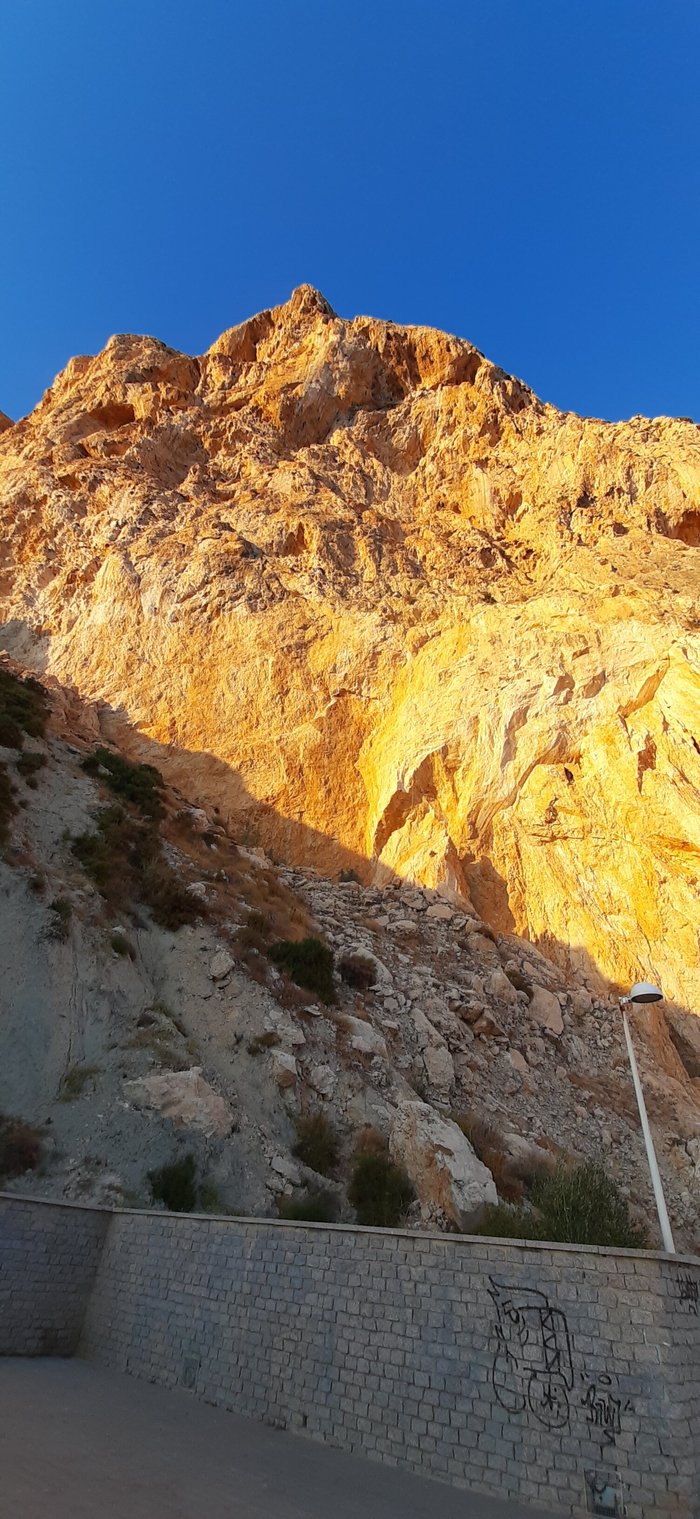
pixel 532 1364
pixel 603 1409
pixel 688 1292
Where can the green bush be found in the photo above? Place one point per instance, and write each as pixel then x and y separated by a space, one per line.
pixel 317 1144
pixel 380 1192
pixel 23 709
pixel 8 805
pixel 123 857
pixel 141 785
pixel 20 1147
pixel 581 1206
pixel 176 1185
pixel 309 1207
pixel 28 764
pixel 58 927
pixel 309 963
pixel 75 1081
pixel 120 944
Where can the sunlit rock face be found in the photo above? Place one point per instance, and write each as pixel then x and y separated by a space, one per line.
pixel 363 591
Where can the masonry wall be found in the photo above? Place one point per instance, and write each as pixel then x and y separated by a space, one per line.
pixel 48 1260
pixel 536 1371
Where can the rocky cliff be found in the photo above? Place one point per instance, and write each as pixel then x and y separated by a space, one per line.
pixel 145 1020
pixel 364 592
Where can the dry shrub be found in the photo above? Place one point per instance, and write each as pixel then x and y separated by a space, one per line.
pixel 123 857
pixel 255 966
pixel 358 971
pixel 380 1191
pixel 20 1147
pixel 8 805
pixel 312 1207
pixel 23 709
pixel 317 1144
pixel 292 997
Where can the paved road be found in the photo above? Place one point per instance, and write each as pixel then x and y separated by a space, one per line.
pixel 77 1442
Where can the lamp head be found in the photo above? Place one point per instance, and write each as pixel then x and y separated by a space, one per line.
pixel 645 992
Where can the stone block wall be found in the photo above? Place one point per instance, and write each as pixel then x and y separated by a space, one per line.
pixel 544 1372
pixel 48 1259
pixel 547 1373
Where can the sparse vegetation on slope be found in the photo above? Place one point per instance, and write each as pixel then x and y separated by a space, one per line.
pixel 8 805
pixel 175 1185
pixel 582 1206
pixel 58 926
pixel 380 1191
pixel 23 709
pixel 317 1144
pixel 311 1207
pixel 20 1147
pixel 309 963
pixel 142 785
pixel 123 857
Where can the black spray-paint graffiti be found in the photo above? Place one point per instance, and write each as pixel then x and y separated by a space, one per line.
pixel 603 1410
pixel 532 1363
pixel 688 1292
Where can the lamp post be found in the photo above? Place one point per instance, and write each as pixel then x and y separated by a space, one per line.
pixel 641 993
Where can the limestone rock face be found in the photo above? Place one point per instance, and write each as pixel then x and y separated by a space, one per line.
pixel 362 591
pixel 449 1178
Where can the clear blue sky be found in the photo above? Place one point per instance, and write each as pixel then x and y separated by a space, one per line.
pixel 523 172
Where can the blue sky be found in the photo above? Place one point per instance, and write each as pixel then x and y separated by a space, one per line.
pixel 525 173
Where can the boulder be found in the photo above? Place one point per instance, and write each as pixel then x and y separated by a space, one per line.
pixel 365 1039
pixel 478 944
pixel 439 1070
pixel 545 1010
pixel 441 911
pixel 448 1177
pixel 222 964
pixel 498 985
pixel 284 1068
pixel 284 1166
pixel 186 1099
pixel 323 1079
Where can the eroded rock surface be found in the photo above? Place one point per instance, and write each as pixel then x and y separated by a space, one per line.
pixel 449 1178
pixel 360 589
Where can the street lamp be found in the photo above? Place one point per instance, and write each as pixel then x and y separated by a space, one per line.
pixel 641 993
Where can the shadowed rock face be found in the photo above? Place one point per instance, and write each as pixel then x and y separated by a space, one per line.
pixel 377 596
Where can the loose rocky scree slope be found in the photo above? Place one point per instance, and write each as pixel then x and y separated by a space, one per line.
pixel 192 1042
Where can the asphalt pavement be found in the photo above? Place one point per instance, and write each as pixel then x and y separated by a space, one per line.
pixel 79 1442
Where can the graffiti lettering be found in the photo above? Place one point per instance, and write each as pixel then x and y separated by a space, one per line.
pixel 603 1410
pixel 688 1292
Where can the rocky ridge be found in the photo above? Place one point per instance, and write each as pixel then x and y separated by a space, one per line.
pixel 365 592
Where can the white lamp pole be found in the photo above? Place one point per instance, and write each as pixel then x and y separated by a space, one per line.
pixel 645 992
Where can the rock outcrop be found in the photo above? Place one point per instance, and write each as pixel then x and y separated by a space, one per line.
pixel 450 1180
pixel 362 591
